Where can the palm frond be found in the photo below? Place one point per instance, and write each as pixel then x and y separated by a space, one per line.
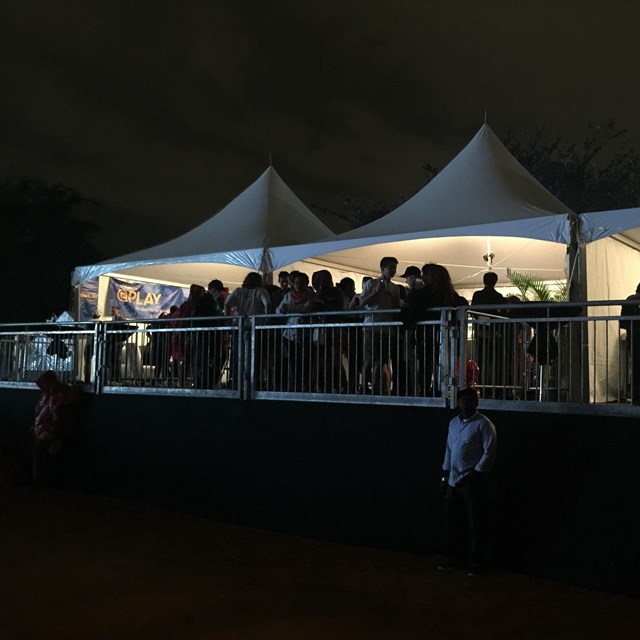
pixel 536 290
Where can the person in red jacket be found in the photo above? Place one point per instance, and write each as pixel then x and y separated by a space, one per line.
pixel 52 420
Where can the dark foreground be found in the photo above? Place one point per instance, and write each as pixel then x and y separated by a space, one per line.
pixel 89 567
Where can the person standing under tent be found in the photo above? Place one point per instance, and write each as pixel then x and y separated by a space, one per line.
pixel 299 300
pixel 489 339
pixel 251 299
pixel 380 343
pixel 631 307
pixel 209 356
pixel 411 368
pixel 327 349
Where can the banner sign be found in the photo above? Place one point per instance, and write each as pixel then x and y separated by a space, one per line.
pixel 88 300
pixel 144 300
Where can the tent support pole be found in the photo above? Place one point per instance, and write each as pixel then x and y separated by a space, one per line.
pixel 578 383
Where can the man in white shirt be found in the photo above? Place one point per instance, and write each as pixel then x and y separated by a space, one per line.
pixel 469 456
pixel 380 343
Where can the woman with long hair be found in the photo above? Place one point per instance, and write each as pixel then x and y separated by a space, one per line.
pixel 328 372
pixel 443 293
pixel 251 299
pixel 182 341
pixel 438 291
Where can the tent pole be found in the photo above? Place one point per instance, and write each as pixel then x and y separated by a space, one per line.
pixel 578 383
pixel 577 262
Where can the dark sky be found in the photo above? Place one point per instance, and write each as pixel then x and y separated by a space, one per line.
pixel 166 111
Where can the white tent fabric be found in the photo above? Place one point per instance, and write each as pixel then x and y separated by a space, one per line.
pixel 483 185
pixel 482 198
pixel 603 224
pixel 267 214
pixel 461 255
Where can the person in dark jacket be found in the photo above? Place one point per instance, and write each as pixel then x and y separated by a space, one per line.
pixel 209 351
pixel 488 337
pixel 327 356
pixel 631 324
pixel 438 291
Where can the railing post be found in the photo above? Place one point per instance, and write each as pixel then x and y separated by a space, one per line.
pixel 100 350
pixel 461 324
pixel 244 360
pixel 250 356
pixel 448 335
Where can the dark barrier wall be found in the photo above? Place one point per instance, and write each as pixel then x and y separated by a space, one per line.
pixel 566 488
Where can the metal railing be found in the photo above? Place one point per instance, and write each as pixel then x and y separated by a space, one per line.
pixel 189 356
pixel 344 357
pixel 556 355
pixel 523 356
pixel 26 351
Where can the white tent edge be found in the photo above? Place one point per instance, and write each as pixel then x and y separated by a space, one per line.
pixel 593 226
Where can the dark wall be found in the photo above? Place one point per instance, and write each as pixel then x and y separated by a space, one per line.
pixel 566 488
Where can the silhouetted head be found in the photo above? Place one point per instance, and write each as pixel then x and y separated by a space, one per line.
pixel 388 266
pixel 283 279
pixel 216 285
pixel 467 401
pixel 252 280
pixel 300 281
pixel 47 381
pixel 412 275
pixel 490 279
pixel 348 287
pixel 438 278
pixel 196 291
pixel 323 280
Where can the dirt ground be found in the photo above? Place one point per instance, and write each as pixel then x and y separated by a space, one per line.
pixel 85 567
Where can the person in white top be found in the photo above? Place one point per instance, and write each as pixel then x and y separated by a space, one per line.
pixel 251 299
pixel 380 343
pixel 469 457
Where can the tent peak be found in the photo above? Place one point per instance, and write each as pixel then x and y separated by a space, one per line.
pixel 483 185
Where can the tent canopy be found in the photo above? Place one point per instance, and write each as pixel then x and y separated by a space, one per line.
pixel 482 202
pixel 265 215
pixel 603 224
pixel 483 185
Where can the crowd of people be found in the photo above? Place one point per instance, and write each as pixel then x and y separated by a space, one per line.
pixel 309 343
pixel 313 335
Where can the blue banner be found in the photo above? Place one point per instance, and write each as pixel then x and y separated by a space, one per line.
pixel 88 300
pixel 144 300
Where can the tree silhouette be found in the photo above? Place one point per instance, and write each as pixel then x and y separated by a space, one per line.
pixel 42 242
pixel 356 211
pixel 360 211
pixel 599 173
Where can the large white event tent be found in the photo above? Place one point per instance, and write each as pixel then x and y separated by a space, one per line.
pixel 483 202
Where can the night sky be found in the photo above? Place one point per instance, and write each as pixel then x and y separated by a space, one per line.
pixel 164 112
